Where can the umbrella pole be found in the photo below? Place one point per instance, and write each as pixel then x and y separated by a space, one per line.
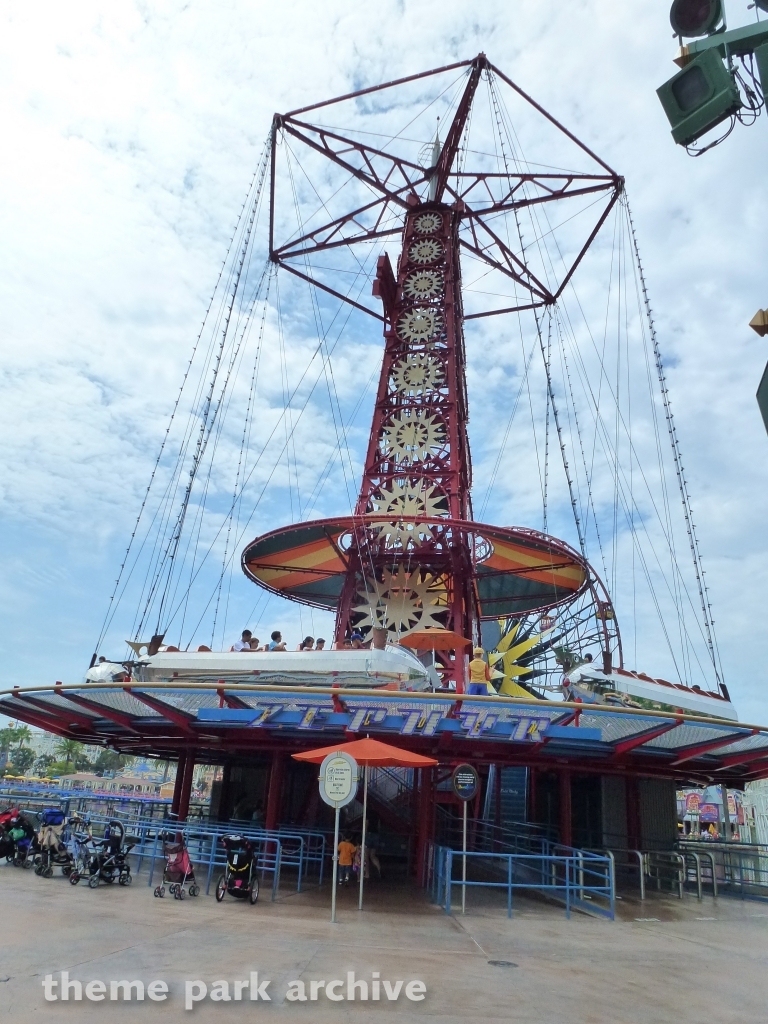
pixel 362 844
pixel 464 863
pixel 334 883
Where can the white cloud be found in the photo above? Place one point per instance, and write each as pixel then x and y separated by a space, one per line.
pixel 130 136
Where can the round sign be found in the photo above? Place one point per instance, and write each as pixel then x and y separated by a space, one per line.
pixel 466 782
pixel 338 779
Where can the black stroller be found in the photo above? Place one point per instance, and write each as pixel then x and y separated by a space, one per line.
pixel 108 858
pixel 178 868
pixel 22 833
pixel 52 840
pixel 239 879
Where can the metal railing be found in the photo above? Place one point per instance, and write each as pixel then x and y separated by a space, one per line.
pixel 576 878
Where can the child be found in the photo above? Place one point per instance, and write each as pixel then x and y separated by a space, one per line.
pixel 346 857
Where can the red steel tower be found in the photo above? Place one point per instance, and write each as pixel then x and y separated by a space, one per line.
pixel 411 556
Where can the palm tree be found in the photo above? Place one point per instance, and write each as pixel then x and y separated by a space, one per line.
pixel 21 734
pixel 69 751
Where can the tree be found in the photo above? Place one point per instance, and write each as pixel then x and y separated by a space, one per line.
pixel 22 760
pixel 43 763
pixel 21 734
pixel 70 751
pixel 110 761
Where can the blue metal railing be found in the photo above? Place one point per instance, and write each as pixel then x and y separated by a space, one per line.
pixel 574 877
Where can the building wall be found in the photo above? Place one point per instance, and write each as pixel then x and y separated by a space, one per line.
pixel 658 813
pixel 614 812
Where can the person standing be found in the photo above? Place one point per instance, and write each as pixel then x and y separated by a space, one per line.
pixel 479 673
pixel 346 859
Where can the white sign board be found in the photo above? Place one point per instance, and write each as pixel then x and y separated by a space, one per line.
pixel 338 779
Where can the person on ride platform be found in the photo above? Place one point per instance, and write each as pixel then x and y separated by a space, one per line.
pixel 479 674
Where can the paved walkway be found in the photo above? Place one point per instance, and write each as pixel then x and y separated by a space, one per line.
pixel 663 962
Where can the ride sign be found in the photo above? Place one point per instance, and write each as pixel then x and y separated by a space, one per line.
pixel 465 782
pixel 338 779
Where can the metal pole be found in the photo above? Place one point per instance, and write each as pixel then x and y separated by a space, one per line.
pixel 334 882
pixel 362 844
pixel 464 863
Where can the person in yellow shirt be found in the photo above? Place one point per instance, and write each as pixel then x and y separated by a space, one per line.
pixel 479 673
pixel 346 857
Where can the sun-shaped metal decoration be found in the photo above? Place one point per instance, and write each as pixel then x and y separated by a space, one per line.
pixel 427 250
pixel 428 223
pixel 419 325
pixel 506 659
pixel 423 284
pixel 417 373
pixel 403 601
pixel 407 500
pixel 412 435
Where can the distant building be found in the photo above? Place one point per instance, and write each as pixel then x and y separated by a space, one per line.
pixel 125 785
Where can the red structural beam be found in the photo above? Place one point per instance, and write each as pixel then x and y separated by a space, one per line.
pixel 57 712
pixel 118 717
pixel 744 757
pixel 624 746
pixel 689 753
pixel 231 701
pixel 179 718
pixel 46 723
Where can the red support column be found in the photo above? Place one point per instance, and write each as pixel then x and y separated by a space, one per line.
pixel 180 766
pixel 497 797
pixel 275 790
pixel 186 786
pixel 426 799
pixel 566 830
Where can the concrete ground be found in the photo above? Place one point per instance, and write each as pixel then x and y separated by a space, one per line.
pixel 663 961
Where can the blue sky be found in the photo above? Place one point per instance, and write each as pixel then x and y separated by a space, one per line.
pixel 134 133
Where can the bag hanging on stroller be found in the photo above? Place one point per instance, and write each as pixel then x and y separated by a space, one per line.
pixel 239 878
pixel 178 868
pixel 52 840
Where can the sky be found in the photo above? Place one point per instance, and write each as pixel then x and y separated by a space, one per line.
pixel 131 136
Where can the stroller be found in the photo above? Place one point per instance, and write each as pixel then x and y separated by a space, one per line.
pixel 52 840
pixel 81 848
pixel 178 868
pixel 6 843
pixel 240 877
pixel 107 858
pixel 21 832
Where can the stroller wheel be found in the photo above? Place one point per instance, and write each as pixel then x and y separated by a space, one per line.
pixel 253 895
pixel 47 872
pixel 180 893
pixel 74 878
pixel 162 890
pixel 125 879
pixel 93 882
pixel 66 870
pixel 157 891
pixel 194 890
pixel 172 888
pixel 26 863
pixel 38 869
pixel 221 888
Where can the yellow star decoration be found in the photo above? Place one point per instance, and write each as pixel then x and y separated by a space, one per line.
pixel 403 601
pixel 506 656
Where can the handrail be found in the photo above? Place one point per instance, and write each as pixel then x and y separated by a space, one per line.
pixel 572 879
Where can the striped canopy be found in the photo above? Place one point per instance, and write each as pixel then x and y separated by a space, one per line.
pixel 516 570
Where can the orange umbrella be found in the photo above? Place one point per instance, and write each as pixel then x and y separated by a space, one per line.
pixel 371 754
pixel 433 639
